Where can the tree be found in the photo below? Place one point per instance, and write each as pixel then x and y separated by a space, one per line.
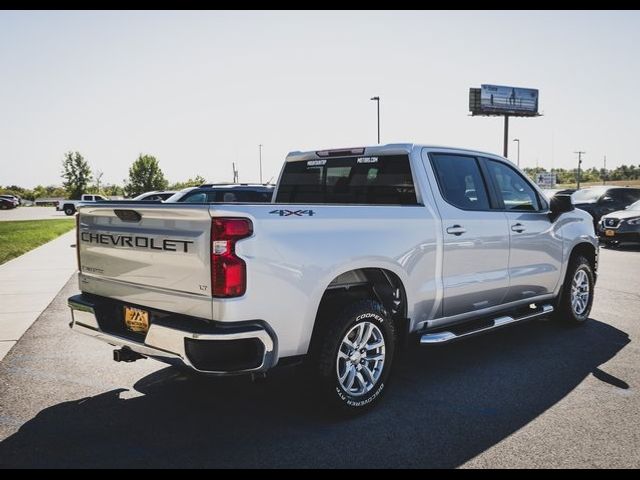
pixel 192 182
pixel 145 175
pixel 76 174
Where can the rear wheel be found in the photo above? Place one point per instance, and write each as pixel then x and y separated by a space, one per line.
pixel 574 304
pixel 353 359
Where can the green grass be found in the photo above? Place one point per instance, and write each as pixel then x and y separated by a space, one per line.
pixel 18 237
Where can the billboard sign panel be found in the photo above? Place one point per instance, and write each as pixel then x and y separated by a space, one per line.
pixel 546 179
pixel 502 99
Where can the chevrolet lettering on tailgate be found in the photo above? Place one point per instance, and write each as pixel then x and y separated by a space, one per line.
pixel 134 241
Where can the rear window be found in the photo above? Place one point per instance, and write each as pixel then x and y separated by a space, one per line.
pixel 227 196
pixel 381 180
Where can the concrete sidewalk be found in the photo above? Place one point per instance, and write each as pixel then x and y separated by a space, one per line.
pixel 29 283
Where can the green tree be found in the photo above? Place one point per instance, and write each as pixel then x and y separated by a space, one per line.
pixel 192 182
pixel 145 175
pixel 76 174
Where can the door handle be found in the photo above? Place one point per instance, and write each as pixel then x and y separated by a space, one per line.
pixel 518 227
pixel 456 230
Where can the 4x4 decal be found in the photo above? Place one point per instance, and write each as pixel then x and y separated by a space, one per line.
pixel 295 213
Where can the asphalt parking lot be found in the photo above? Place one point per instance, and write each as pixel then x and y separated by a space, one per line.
pixel 30 213
pixel 535 395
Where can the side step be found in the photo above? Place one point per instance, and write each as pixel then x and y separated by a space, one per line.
pixel 449 336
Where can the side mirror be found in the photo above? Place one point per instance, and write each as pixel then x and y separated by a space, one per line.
pixel 607 199
pixel 560 204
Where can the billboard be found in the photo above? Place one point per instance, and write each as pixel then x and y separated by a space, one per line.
pixel 498 99
pixel 546 179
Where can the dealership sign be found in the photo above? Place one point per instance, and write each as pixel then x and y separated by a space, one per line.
pixel 546 179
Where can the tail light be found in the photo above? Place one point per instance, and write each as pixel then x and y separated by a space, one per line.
pixel 228 271
pixel 78 240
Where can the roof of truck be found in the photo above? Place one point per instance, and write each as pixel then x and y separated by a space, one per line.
pixel 387 149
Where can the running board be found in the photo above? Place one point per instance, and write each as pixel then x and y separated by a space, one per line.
pixel 445 337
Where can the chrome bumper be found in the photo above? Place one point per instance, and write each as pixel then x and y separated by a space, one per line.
pixel 168 344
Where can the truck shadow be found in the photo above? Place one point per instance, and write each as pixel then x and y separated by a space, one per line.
pixel 445 406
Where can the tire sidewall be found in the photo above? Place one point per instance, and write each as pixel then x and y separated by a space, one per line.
pixel 360 312
pixel 580 263
pixel 69 211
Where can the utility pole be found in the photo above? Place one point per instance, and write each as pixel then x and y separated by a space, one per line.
pixel 235 173
pixel 580 153
pixel 606 174
pixel 260 147
pixel 518 140
pixel 377 100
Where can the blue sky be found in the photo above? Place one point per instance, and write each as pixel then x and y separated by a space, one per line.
pixel 200 90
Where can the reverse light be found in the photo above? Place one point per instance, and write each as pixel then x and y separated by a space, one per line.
pixel 228 271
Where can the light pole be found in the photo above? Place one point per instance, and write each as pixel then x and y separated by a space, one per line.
pixel 377 100
pixel 260 153
pixel 580 153
pixel 518 140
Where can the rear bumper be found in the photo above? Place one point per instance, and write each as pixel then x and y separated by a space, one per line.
pixel 212 348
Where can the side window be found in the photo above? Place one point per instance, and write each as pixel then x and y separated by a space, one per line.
pixel 515 191
pixel 460 181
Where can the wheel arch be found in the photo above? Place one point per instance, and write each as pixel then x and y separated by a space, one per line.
pixel 382 284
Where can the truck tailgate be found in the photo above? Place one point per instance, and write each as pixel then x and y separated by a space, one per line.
pixel 148 254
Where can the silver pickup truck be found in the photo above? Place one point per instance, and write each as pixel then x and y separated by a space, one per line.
pixel 361 251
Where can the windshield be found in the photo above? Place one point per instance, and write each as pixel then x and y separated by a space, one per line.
pixel 588 194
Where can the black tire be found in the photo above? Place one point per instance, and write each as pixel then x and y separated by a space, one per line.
pixel 69 210
pixel 565 311
pixel 325 364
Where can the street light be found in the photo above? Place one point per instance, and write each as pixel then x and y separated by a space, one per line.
pixel 518 140
pixel 377 100
pixel 260 149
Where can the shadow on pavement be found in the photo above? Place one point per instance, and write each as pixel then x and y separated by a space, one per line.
pixel 446 405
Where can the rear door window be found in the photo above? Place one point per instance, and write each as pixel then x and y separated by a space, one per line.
pixel 375 180
pixel 460 181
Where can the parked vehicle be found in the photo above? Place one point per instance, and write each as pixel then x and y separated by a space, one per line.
pixel 551 192
pixel 224 193
pixel 361 251
pixel 620 226
pixel 601 200
pixel 15 201
pixel 155 196
pixel 7 203
pixel 69 207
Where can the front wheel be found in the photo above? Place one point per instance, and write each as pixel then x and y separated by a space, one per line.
pixel 69 210
pixel 354 357
pixel 576 299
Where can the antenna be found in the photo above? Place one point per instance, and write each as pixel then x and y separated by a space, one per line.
pixel 235 173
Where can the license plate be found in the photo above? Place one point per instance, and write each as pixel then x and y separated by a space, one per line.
pixel 609 233
pixel 136 320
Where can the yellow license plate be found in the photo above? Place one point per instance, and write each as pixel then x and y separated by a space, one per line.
pixel 609 233
pixel 136 320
